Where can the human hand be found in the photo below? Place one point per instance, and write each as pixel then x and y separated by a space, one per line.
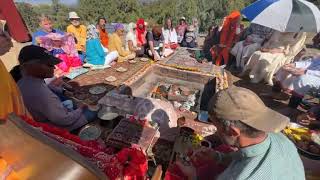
pixel 188 170
pixel 83 106
pixel 204 154
pixel 298 72
pixel 305 119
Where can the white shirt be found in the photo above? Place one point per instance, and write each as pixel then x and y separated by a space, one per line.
pixel 131 36
pixel 170 36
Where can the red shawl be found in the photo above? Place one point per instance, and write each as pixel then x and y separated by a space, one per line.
pixel 141 39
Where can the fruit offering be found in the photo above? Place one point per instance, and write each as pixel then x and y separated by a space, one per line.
pixel 304 138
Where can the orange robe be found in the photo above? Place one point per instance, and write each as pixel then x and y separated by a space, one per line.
pixel 104 37
pixel 10 97
pixel 228 37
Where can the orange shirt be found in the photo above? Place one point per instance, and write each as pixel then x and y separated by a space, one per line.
pixel 104 38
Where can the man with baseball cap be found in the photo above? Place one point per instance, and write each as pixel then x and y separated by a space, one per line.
pixel 44 105
pixel 181 29
pixel 243 121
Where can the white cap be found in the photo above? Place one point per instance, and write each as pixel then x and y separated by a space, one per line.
pixel 183 18
pixel 73 15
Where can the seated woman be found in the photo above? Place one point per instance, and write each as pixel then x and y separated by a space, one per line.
pixel 96 55
pixel 62 47
pixel 115 44
pixel 190 38
pixel 155 45
pixel 279 50
pixel 141 33
pixel 170 35
pixel 298 78
pixel 243 50
pixel 131 41
pixel 211 40
pixel 229 34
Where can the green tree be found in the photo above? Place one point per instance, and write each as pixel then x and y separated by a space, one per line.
pixel 29 15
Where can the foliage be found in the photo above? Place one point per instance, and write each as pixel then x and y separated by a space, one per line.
pixel 29 15
pixel 206 11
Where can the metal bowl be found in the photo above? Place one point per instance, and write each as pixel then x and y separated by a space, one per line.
pixel 89 132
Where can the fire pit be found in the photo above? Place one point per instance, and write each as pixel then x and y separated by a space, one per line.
pixel 187 91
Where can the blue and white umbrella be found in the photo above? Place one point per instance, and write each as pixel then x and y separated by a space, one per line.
pixel 284 15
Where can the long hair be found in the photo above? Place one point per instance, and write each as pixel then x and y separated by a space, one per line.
pixel 166 25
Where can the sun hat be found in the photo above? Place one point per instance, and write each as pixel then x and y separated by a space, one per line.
pixel 73 15
pixel 236 103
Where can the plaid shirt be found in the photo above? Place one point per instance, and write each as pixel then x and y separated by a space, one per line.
pixel 275 158
pixel 262 31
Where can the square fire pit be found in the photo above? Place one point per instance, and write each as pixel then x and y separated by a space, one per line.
pixel 176 86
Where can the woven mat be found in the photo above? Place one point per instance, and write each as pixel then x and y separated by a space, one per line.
pixel 98 76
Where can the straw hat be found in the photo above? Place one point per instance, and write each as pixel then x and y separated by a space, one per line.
pixel 73 15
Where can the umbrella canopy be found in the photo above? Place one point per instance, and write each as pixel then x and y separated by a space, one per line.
pixel 284 15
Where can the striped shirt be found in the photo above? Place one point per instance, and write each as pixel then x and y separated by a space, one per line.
pixel 275 158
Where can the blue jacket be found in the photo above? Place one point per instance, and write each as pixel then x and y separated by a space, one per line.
pixel 94 52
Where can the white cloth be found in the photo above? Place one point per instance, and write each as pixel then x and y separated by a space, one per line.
pixel 170 36
pixel 111 56
pixel 243 53
pixel 264 65
pixel 301 85
pixel 131 36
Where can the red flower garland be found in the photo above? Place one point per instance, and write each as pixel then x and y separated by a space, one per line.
pixel 130 163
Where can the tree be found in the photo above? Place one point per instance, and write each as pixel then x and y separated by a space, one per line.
pixel 29 15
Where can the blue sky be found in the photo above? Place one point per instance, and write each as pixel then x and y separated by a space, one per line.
pixel 68 2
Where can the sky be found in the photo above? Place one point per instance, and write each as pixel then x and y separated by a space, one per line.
pixel 68 2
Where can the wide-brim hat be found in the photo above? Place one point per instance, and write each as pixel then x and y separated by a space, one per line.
pixel 73 15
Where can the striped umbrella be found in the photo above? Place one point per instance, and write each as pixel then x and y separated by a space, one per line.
pixel 284 15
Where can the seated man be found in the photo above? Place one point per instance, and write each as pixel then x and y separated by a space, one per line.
pixel 103 33
pixel 43 104
pixel 155 47
pixel 190 38
pixel 115 44
pixel 263 151
pixel 79 32
pixel 181 29
pixel 243 50
pixel 298 78
pixel 45 28
pixel 279 50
